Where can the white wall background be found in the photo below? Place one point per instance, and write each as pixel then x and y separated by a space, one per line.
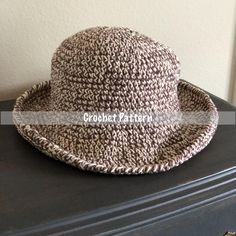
pixel 200 32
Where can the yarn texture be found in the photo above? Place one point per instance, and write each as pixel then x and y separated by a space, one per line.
pixel 111 69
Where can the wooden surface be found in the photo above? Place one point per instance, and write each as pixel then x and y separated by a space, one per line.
pixel 41 196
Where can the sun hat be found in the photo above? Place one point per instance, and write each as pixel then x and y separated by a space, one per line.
pixel 111 69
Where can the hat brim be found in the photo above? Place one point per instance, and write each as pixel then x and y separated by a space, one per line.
pixel 191 99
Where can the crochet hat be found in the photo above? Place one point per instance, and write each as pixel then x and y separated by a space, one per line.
pixel 109 69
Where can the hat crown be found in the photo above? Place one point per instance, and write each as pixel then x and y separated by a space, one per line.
pixel 114 69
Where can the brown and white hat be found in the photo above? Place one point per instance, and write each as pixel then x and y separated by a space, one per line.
pixel 109 69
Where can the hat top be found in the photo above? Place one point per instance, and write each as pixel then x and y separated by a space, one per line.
pixel 117 43
pixel 111 68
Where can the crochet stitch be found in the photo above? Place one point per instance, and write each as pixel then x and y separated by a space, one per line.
pixel 107 69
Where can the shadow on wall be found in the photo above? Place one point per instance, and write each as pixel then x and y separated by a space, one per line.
pixel 21 54
pixel 232 84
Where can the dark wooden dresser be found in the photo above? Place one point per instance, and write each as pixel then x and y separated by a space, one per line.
pixel 41 196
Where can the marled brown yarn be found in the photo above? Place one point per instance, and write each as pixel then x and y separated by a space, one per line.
pixel 116 69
